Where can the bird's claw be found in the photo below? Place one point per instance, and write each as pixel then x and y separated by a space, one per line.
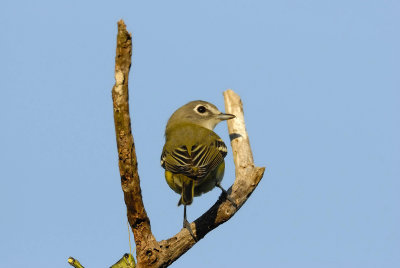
pixel 226 194
pixel 186 225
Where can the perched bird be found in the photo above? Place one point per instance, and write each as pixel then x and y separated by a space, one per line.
pixel 193 154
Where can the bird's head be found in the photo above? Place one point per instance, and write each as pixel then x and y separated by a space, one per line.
pixel 200 113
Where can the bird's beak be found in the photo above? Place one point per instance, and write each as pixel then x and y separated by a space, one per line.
pixel 223 116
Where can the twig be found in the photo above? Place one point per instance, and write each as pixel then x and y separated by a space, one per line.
pixel 74 262
pixel 127 261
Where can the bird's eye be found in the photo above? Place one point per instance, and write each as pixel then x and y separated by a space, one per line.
pixel 201 109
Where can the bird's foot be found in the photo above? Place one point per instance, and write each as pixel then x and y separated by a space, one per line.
pixel 186 225
pixel 226 194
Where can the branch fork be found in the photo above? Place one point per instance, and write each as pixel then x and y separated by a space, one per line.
pixel 149 251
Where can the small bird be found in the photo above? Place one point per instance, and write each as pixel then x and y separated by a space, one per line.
pixel 193 154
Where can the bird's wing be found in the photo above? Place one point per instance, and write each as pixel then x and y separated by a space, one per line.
pixel 195 162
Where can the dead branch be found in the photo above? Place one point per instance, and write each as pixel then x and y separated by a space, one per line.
pixel 137 216
pixel 149 252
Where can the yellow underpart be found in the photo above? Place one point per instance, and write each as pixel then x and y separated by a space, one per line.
pixel 201 186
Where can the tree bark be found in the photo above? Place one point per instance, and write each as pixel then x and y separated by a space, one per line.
pixel 149 251
pixel 130 183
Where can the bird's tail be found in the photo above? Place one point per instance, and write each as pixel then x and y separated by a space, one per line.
pixel 187 191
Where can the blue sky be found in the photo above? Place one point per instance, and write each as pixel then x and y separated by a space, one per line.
pixel 320 85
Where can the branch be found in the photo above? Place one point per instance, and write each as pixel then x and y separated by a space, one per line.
pixel 130 183
pixel 149 252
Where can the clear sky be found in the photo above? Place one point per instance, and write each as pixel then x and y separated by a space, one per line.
pixel 320 83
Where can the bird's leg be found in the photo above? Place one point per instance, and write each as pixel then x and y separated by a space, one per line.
pixel 225 193
pixel 186 224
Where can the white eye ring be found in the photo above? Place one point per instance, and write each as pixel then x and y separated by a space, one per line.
pixel 200 109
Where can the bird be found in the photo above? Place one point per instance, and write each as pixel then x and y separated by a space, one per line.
pixel 193 154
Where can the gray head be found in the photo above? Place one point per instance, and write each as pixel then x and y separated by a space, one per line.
pixel 200 113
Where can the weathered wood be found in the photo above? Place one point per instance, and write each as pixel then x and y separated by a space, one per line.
pixel 130 183
pixel 149 252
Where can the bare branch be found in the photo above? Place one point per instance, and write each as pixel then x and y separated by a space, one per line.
pixel 130 182
pixel 149 252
